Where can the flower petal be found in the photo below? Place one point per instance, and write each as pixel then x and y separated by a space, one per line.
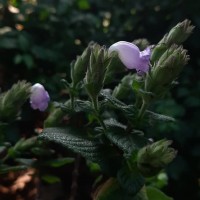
pixel 39 98
pixel 129 53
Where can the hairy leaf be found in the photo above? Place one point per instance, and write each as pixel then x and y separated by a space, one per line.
pixel 130 180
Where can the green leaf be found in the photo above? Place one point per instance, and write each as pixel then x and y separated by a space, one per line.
pixel 83 4
pixel 5 168
pixel 128 110
pixel 69 138
pixel 130 180
pixel 106 156
pixel 158 117
pixel 127 142
pixel 51 179
pixel 59 162
pixel 155 194
pixel 111 190
pixel 25 161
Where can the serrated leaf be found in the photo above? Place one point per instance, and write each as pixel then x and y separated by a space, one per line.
pixel 69 138
pixel 90 148
pixel 111 100
pixel 155 194
pixel 159 117
pixel 113 123
pixel 130 180
pixel 127 142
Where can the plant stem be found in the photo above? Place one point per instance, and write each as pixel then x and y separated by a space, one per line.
pixel 142 109
pixel 75 174
pixel 96 109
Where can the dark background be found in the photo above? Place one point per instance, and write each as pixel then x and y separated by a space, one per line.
pixel 39 39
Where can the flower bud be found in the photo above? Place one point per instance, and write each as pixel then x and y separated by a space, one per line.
pixel 79 67
pixel 12 100
pixel 154 157
pixel 39 98
pixel 166 70
pixel 179 33
pixel 142 43
pixel 131 56
pixel 95 75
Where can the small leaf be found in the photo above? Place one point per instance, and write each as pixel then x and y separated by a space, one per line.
pixel 130 180
pixel 5 168
pixel 155 194
pixel 24 161
pixel 111 190
pixel 158 117
pixel 51 179
pixel 59 162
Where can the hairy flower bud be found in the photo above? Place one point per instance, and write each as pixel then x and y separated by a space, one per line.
pixel 39 98
pixel 166 70
pixel 95 75
pixel 179 33
pixel 12 100
pixel 79 67
pixel 141 43
pixel 154 157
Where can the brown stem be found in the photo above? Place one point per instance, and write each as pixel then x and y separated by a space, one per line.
pixel 75 174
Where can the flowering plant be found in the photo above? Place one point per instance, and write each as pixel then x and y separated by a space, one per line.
pixel 108 122
pixel 108 113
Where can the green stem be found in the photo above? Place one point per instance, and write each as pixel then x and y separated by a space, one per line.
pixel 96 109
pixel 142 109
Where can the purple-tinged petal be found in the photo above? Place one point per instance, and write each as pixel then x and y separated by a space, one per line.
pixel 129 53
pixel 131 56
pixel 144 60
pixel 39 98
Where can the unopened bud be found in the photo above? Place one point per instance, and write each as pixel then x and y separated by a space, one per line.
pixel 12 100
pixel 142 43
pixel 154 157
pixel 166 70
pixel 179 33
pixel 95 75
pixel 79 67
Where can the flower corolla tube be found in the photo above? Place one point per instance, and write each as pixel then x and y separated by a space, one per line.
pixel 39 98
pixel 131 56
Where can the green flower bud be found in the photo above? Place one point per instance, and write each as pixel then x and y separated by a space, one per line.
pixel 12 100
pixel 179 33
pixel 95 75
pixel 54 118
pixel 141 43
pixel 157 51
pixel 79 67
pixel 166 70
pixel 154 157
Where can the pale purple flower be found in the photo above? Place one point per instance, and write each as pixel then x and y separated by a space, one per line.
pixel 39 97
pixel 131 56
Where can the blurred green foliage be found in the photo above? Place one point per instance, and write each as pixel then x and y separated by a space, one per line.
pixel 39 39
